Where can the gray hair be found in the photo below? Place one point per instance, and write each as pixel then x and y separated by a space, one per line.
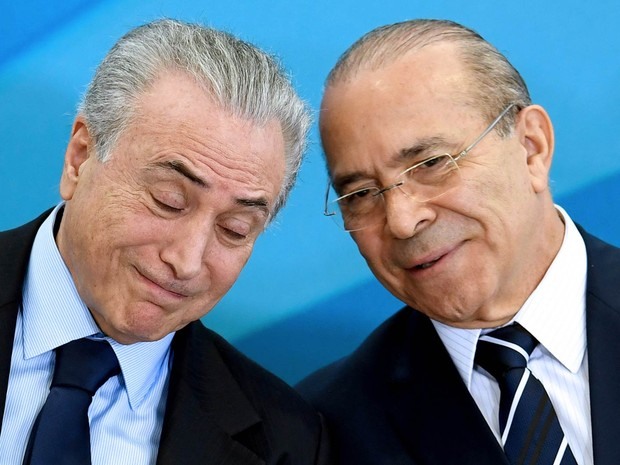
pixel 494 82
pixel 241 78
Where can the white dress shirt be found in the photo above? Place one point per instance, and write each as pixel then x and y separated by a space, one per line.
pixel 126 414
pixel 555 315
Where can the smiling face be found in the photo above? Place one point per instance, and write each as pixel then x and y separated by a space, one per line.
pixel 470 257
pixel 156 235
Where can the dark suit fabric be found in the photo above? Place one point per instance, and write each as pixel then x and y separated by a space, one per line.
pixel 222 408
pixel 399 400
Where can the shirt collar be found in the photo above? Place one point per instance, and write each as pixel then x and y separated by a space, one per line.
pixel 554 313
pixel 54 314
pixel 561 327
pixel 461 345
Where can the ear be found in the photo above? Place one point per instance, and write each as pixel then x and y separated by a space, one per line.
pixel 536 136
pixel 78 151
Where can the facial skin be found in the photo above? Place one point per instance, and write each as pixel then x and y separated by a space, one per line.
pixel 488 241
pixel 155 236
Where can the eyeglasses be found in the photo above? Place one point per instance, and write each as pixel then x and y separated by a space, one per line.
pixel 426 180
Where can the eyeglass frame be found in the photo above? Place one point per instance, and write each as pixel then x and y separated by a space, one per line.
pixel 454 159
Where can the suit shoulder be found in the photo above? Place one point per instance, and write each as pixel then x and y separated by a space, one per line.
pixel 603 270
pixel 250 373
pixel 599 251
pixel 256 379
pixel 15 248
pixel 289 425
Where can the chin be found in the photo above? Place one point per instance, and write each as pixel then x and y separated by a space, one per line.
pixel 451 313
pixel 130 334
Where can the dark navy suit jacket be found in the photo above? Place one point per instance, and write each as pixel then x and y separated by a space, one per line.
pixel 222 408
pixel 399 400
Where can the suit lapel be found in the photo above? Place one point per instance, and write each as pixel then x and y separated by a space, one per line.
pixel 206 408
pixel 431 408
pixel 603 330
pixel 15 247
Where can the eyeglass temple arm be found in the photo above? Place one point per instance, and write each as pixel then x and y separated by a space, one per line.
pixel 487 130
pixel 325 211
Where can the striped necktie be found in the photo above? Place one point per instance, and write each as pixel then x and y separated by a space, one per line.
pixel 530 430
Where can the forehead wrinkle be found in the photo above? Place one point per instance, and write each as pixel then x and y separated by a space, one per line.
pixel 239 165
pixel 208 148
pixel 204 142
pixel 223 163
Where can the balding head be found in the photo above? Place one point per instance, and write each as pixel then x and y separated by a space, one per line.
pixel 494 82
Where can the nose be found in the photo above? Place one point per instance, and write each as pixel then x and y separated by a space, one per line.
pixel 185 249
pixel 405 216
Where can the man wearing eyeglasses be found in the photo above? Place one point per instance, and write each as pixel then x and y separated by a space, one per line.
pixel 506 351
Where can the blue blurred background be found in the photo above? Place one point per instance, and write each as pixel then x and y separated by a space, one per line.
pixel 306 297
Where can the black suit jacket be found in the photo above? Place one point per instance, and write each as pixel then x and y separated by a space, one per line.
pixel 222 408
pixel 399 400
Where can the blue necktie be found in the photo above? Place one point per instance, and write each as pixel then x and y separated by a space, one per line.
pixel 531 432
pixel 61 433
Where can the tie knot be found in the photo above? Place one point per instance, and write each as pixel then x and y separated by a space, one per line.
pixel 85 364
pixel 504 349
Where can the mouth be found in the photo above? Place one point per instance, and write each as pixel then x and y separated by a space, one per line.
pixel 426 265
pixel 162 289
pixel 433 259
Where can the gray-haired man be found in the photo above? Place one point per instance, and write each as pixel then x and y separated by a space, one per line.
pixel 506 352
pixel 185 146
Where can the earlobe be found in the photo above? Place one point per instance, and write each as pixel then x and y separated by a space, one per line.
pixel 78 152
pixel 538 139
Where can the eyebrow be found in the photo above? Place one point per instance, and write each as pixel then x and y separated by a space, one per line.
pixel 339 182
pixel 429 144
pixel 422 146
pixel 184 170
pixel 181 168
pixel 260 203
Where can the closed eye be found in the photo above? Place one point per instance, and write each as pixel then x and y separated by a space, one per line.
pixel 168 196
pixel 234 235
pixel 166 206
pixel 238 231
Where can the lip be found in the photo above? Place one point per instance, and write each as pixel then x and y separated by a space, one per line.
pixel 160 290
pixel 431 261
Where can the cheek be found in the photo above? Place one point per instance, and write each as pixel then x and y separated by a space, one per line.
pixel 479 206
pixel 114 240
pixel 372 248
pixel 364 245
pixel 225 265
pixel 121 229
